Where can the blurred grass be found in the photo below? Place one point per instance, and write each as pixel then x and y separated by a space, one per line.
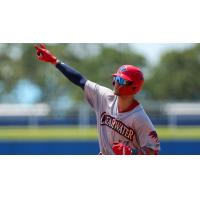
pixel 72 133
pixel 47 133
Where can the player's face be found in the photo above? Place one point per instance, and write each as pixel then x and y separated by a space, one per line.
pixel 119 83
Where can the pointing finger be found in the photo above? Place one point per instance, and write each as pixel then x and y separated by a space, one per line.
pixel 37 48
pixel 43 46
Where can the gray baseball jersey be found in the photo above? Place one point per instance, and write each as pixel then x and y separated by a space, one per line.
pixel 132 128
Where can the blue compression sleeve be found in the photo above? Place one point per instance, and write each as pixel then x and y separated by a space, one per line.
pixel 73 75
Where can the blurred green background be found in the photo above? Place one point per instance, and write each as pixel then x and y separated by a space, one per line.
pixel 173 77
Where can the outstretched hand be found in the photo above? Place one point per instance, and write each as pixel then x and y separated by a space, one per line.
pixel 45 55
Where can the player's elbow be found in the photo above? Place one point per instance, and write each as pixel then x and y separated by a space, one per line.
pixel 82 82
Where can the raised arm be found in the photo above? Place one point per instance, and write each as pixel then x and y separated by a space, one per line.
pixel 73 75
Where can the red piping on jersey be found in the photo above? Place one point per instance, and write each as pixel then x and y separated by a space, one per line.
pixel 131 107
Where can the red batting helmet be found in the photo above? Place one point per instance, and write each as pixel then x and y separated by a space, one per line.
pixel 134 75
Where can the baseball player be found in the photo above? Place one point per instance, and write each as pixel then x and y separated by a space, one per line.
pixel 124 127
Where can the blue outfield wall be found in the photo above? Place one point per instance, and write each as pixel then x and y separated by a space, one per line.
pixel 49 148
pixel 86 148
pixel 191 147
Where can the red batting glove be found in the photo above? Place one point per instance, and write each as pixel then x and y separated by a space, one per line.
pixel 121 149
pixel 45 55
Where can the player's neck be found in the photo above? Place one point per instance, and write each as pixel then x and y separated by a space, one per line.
pixel 124 102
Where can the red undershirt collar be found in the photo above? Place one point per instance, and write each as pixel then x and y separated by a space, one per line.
pixel 131 107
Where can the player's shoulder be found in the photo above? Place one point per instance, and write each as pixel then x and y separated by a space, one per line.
pixel 98 88
pixel 139 112
pixel 141 118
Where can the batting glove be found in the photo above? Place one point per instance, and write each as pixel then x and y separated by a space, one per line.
pixel 121 149
pixel 45 55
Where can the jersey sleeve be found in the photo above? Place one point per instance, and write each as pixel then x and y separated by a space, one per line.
pixel 94 93
pixel 146 133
